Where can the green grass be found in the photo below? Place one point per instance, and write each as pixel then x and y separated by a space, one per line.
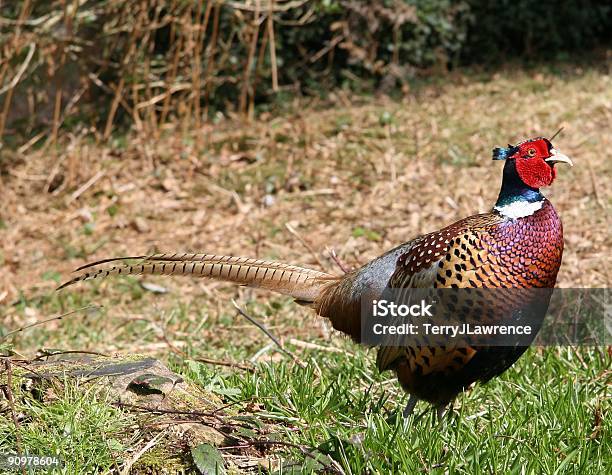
pixel 78 426
pixel 335 412
pixel 539 417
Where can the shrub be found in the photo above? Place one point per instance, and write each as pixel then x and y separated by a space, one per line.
pixel 109 62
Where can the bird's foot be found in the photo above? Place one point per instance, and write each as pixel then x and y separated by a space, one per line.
pixel 444 412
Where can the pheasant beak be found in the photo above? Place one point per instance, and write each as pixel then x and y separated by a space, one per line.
pixel 557 157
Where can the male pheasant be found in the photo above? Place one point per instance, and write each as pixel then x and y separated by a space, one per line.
pixel 518 244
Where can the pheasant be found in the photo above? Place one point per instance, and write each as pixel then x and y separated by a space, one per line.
pixel 518 244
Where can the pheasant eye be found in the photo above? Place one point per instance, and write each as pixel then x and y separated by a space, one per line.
pixel 531 152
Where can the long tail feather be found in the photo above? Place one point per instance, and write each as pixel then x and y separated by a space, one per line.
pixel 301 283
pixel 106 261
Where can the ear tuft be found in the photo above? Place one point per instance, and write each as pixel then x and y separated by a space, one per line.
pixel 503 153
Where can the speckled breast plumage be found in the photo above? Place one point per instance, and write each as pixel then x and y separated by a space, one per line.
pixel 482 251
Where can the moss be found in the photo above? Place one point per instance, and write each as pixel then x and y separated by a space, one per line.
pixel 161 459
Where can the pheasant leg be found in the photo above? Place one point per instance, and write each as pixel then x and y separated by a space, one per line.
pixel 410 406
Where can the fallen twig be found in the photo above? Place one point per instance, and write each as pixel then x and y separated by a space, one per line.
pixel 60 317
pixel 595 185
pixel 314 346
pixel 292 230
pixel 149 445
pixel 332 466
pixel 86 186
pixel 334 257
pixel 269 335
pixel 150 410
pixel 46 353
pixel 231 364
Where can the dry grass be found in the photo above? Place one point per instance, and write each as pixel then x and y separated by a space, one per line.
pixel 358 177
pixel 106 63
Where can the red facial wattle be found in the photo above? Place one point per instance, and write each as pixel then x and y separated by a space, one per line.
pixel 535 172
pixel 535 160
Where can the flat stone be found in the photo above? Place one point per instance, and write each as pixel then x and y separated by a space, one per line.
pixel 136 379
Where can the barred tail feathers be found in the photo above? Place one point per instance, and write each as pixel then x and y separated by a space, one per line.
pixel 298 282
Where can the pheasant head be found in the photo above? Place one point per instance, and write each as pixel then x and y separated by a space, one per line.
pixel 529 166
